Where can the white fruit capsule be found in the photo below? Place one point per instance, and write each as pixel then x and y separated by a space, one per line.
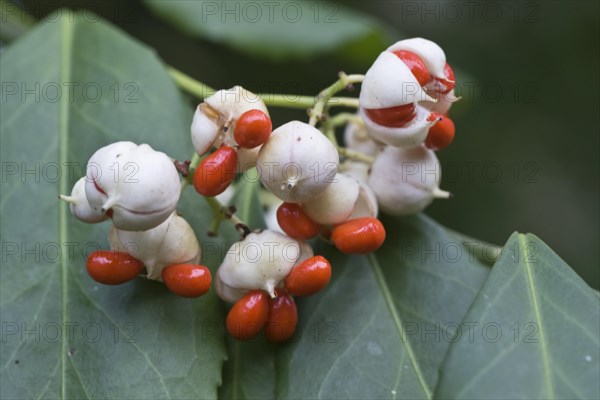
pixel 432 55
pixel 346 198
pixel 356 137
pixel 356 169
pixel 261 261
pixel 214 120
pixel 366 204
pixel 137 185
pixel 390 83
pixel 226 292
pixel 172 242
pixel 205 128
pixel 410 135
pixel 297 163
pixel 232 103
pixel 405 181
pixel 336 203
pixel 79 206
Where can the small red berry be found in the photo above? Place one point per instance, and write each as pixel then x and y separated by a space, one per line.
pixel 394 117
pixel 295 223
pixel 416 65
pixel 187 280
pixel 252 129
pixel 283 318
pixel 216 172
pixel 441 134
pixel 358 236
pixel 308 277
pixel 113 267
pixel 248 316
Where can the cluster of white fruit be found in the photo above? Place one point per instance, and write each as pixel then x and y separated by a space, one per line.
pixel 400 122
pixel 402 99
pixel 138 188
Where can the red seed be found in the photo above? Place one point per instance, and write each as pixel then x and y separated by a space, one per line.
pixel 393 117
pixel 308 277
pixel 113 267
pixel 216 172
pixel 283 318
pixel 295 223
pixel 252 129
pixel 187 280
pixel 441 134
pixel 450 81
pixel 248 316
pixel 416 65
pixel 358 236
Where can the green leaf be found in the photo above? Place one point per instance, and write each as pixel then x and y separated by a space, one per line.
pixel 277 30
pixel 63 334
pixel 383 325
pixel 534 334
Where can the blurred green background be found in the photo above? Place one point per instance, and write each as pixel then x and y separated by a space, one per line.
pixel 526 153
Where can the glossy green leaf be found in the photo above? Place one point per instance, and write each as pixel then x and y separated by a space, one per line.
pixel 277 30
pixel 69 87
pixel 534 332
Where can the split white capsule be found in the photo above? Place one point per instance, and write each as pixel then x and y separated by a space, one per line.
pixel 137 186
pixel 79 206
pixel 297 163
pixel 172 242
pixel 259 262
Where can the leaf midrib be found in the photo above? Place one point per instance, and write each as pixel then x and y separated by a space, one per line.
pixel 398 323
pixel 66 41
pixel 538 317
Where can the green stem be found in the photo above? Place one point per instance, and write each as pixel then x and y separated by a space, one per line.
pixel 221 213
pixel 326 94
pixel 201 90
pixel 343 118
pixel 355 155
pixel 329 131
pixel 304 102
pixel 189 84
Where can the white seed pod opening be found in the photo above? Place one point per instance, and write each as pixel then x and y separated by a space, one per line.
pixel 98 170
pixel 204 128
pixel 137 183
pixel 432 55
pixel 366 204
pixel 356 137
pixel 390 83
pixel 336 203
pixel 405 181
pixel 232 103
pixel 261 261
pixel 444 102
pixel 297 163
pixel 229 105
pixel 172 242
pixel 410 135
pixel 79 206
pixel 226 292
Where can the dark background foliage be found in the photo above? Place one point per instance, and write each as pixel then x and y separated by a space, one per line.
pixel 526 153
